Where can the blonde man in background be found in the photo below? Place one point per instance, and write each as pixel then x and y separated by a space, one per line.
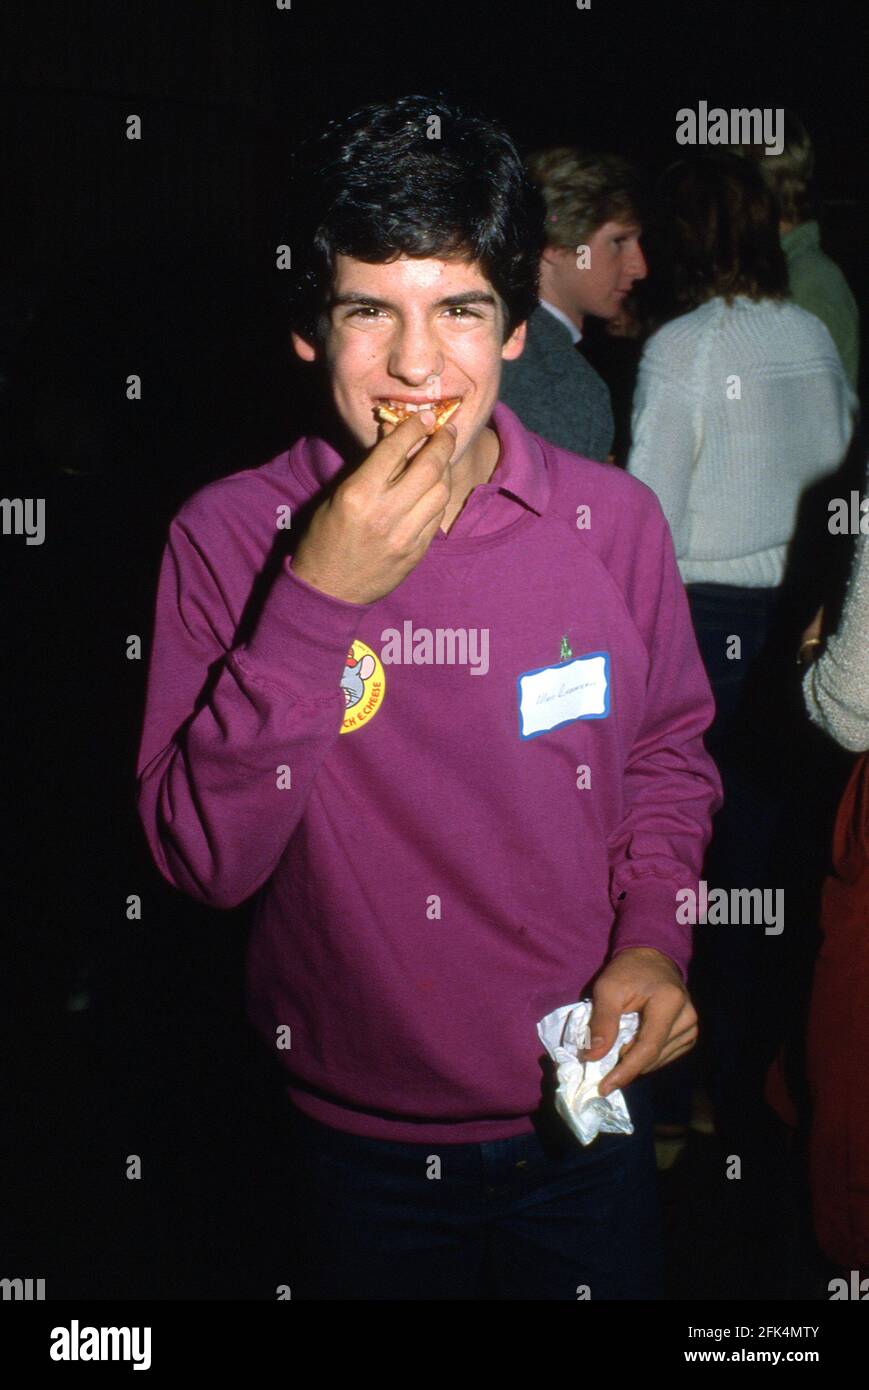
pixel 816 282
pixel 591 260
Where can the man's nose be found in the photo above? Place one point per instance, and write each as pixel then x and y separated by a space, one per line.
pixel 415 354
pixel 639 269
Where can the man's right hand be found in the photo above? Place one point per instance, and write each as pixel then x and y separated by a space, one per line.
pixel 376 527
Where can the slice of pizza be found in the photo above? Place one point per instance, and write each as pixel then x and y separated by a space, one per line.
pixel 394 414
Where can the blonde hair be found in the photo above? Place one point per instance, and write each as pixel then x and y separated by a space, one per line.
pixel 583 191
pixel 788 175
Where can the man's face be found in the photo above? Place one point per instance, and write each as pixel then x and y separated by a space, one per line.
pixel 413 331
pixel 615 262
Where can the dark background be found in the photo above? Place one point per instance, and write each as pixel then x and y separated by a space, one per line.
pixel 160 253
pixel 158 257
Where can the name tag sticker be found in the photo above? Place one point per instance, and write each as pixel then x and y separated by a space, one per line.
pixel 556 695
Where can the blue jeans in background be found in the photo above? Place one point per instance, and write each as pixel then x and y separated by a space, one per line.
pixel 533 1217
pixel 732 966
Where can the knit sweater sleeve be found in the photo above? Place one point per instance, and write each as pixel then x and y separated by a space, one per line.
pixel 836 687
pixel 667 428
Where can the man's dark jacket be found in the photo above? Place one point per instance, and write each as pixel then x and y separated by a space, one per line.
pixel 556 392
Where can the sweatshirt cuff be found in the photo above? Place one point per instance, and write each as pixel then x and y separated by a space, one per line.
pixel 303 636
pixel 647 917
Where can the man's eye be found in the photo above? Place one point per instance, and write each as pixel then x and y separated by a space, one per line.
pixel 463 312
pixel 364 311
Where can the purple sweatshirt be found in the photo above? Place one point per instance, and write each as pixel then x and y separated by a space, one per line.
pixel 456 803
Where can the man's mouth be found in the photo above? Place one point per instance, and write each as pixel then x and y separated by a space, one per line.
pixel 395 409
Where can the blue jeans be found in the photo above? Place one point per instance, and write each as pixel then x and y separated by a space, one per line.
pixel 533 1217
pixel 734 967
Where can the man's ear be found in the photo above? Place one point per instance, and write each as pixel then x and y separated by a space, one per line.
pixel 552 254
pixel 307 351
pixel 515 343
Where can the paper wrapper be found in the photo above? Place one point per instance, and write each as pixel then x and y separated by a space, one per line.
pixel 565 1034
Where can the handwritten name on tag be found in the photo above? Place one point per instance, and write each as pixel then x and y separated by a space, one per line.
pixel 556 695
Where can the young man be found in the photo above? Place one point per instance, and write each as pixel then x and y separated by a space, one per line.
pixel 590 262
pixel 449 726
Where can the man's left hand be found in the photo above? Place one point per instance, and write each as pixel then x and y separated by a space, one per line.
pixel 644 980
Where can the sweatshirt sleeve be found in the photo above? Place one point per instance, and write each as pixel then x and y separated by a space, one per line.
pixel 672 786
pixel 233 735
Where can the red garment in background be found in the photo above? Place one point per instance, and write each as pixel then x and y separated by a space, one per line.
pixel 838 1039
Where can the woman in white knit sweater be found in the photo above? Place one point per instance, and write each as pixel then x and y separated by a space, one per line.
pixel 836 687
pixel 741 405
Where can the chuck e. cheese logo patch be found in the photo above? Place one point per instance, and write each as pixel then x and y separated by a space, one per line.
pixel 363 686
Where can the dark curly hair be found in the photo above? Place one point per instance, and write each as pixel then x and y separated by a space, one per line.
pixel 720 226
pixel 419 177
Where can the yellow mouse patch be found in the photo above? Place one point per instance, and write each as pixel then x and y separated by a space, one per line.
pixel 363 685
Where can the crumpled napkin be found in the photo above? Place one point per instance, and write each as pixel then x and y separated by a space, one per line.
pixel 564 1034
